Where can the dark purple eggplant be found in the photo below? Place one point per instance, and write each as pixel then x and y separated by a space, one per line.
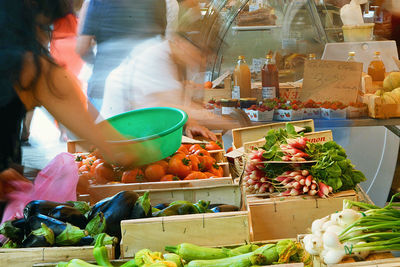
pixel 118 208
pixel 142 208
pixel 41 237
pixel 98 207
pixel 41 207
pixel 70 215
pixel 65 233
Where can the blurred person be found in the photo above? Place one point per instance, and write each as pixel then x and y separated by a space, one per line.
pixel 115 27
pixel 29 77
pixel 63 44
pixel 153 75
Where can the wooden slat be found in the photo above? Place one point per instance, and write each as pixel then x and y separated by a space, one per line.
pixel 210 229
pixel 24 257
pixel 284 217
pixel 254 133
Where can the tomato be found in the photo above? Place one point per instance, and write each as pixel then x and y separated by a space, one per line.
pixel 133 176
pixel 195 147
pixel 187 146
pixel 217 170
pixel 83 183
pixel 208 85
pixel 195 176
pixel 206 163
pixel 209 174
pixel 84 168
pixel 169 177
pixel 202 152
pixel 195 162
pixel 229 150
pixel 183 149
pixel 94 165
pixel 180 165
pixel 103 173
pixel 213 146
pixel 88 161
pixel 163 163
pixel 154 172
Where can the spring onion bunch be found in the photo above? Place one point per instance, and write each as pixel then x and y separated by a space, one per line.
pixel 351 232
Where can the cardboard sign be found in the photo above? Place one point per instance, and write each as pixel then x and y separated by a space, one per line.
pixel 326 80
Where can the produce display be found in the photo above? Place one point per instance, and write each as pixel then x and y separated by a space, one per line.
pixel 291 165
pixel 185 207
pixel 355 233
pixel 185 254
pixel 190 162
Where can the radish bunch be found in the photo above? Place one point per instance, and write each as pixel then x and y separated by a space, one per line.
pixel 294 150
pixel 300 182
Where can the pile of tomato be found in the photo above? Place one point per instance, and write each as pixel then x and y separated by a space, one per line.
pixel 190 162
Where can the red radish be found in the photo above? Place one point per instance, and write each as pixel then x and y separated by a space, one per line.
pixel 280 178
pixel 330 189
pixel 286 158
pixel 289 185
pixel 297 186
pixel 309 180
pixel 305 189
pixel 286 193
pixel 250 168
pixel 287 180
pixel 304 173
pixel 323 189
pixel 251 182
pixel 301 155
pixel 246 178
pixel 257 155
pixel 294 192
pixel 302 181
pixel 293 174
pixel 314 182
pixel 286 173
pixel 298 177
pixel 312 192
pixel 263 180
pixel 271 189
pixel 313 186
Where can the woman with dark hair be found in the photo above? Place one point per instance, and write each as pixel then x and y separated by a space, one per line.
pixel 29 78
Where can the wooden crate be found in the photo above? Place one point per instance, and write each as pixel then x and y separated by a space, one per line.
pixel 314 137
pixel 284 217
pixel 24 257
pixel 224 193
pixel 253 133
pixel 378 110
pixel 384 259
pixel 98 192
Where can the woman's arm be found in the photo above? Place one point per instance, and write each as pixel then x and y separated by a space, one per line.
pixel 59 92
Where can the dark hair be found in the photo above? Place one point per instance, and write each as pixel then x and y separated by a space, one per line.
pixel 18 35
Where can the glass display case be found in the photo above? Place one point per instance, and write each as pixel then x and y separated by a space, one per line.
pixel 287 29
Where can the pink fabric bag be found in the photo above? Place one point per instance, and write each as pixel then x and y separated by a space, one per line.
pixel 56 182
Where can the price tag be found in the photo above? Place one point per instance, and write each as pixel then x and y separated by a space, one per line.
pixel 326 80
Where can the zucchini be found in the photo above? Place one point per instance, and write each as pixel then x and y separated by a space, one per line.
pixel 190 252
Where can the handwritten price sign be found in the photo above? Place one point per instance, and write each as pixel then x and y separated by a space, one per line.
pixel 326 80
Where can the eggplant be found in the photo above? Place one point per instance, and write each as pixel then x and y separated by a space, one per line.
pixel 10 231
pixel 142 208
pixel 225 208
pixel 161 206
pixel 98 207
pixel 41 207
pixel 65 233
pixel 118 208
pixel 19 223
pixel 41 237
pixel 86 241
pixel 82 206
pixel 9 244
pixel 69 215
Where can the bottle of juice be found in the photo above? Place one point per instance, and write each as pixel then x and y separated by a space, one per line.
pixel 351 57
pixel 241 80
pixel 376 68
pixel 269 79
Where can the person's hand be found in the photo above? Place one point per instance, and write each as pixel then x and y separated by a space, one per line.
pixel 6 177
pixel 193 129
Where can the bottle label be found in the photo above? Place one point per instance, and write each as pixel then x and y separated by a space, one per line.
pixel 236 92
pixel 268 92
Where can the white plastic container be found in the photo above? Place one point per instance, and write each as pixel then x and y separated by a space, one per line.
pixel 358 33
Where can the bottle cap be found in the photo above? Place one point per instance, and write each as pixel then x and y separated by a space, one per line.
pixel 352 54
pixel 377 53
pixel 240 57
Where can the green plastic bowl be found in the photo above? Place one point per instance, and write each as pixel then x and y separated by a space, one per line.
pixel 153 133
